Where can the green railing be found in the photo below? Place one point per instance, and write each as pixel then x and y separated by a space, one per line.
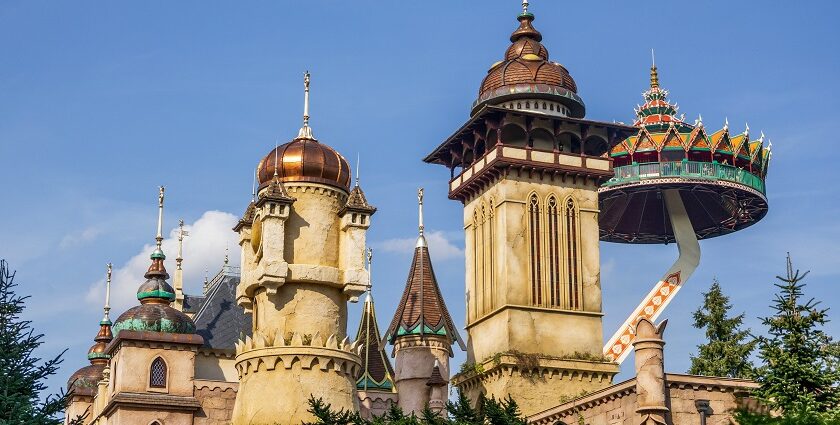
pixel 688 169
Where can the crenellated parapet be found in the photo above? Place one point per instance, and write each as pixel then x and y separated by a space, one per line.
pixel 269 351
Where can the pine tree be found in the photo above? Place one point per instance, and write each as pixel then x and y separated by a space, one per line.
pixel 799 374
pixel 728 348
pixel 22 375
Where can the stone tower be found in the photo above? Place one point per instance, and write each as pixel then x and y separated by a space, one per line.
pixel 152 355
pixel 422 332
pixel 527 167
pixel 302 241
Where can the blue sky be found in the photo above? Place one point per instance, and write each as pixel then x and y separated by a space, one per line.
pixel 102 102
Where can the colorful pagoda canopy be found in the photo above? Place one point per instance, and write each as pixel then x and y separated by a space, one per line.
pixel 720 176
pixel 377 372
pixel 665 137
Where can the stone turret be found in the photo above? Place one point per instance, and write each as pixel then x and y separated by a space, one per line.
pixel 302 241
pixel 422 331
pixel 650 373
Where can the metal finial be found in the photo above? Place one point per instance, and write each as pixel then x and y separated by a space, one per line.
pixel 275 158
pixel 358 159
pixel 420 205
pixel 421 240
pixel 181 235
pixel 524 7
pixel 654 74
pixel 107 307
pixel 159 237
pixel 206 282
pixel 227 257
pixel 305 131
pixel 254 185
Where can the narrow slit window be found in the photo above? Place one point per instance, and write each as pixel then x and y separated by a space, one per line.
pixel 535 249
pixel 554 253
pixel 572 254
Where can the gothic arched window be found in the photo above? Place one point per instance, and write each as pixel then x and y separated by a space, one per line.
pixel 535 242
pixel 572 256
pixel 157 373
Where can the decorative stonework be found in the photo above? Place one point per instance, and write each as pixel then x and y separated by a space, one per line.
pixel 266 351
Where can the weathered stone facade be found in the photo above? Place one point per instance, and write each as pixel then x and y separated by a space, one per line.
pixel 217 399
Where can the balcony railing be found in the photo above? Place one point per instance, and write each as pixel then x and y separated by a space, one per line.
pixel 688 169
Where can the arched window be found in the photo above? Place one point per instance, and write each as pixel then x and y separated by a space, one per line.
pixel 535 237
pixel 572 256
pixel 554 246
pixel 157 373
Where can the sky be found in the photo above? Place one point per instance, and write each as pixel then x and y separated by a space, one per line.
pixel 102 102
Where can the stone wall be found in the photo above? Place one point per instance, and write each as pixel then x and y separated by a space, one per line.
pixel 217 399
pixel 617 405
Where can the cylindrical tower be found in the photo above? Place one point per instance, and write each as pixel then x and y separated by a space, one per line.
pixel 302 243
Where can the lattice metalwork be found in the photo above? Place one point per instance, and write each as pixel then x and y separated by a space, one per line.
pixel 157 374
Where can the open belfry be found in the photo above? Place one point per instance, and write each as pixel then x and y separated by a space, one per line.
pixel 541 186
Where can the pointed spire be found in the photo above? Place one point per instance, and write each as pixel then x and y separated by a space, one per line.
pixel 377 373
pixel 305 131
pixel 97 353
pixel 747 131
pixel 699 120
pixel 421 239
pixel 156 289
pixel 654 75
pixel 422 310
pixel 525 7
pixel 726 123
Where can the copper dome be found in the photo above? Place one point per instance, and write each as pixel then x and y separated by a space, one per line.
pixel 527 73
pixel 154 317
pixel 305 160
pixel 84 380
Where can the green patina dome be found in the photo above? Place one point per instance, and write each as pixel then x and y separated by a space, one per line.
pixel 154 317
pixel 84 381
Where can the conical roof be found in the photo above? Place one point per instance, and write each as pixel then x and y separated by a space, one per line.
pixel 421 310
pixel 377 372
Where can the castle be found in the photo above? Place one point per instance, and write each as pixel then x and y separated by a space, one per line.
pixel 528 168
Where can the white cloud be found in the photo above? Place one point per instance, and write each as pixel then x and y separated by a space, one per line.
pixel 440 246
pixel 204 248
pixel 78 238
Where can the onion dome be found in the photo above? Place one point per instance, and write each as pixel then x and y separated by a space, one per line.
pixel 84 380
pixel 304 159
pixel 526 75
pixel 154 312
